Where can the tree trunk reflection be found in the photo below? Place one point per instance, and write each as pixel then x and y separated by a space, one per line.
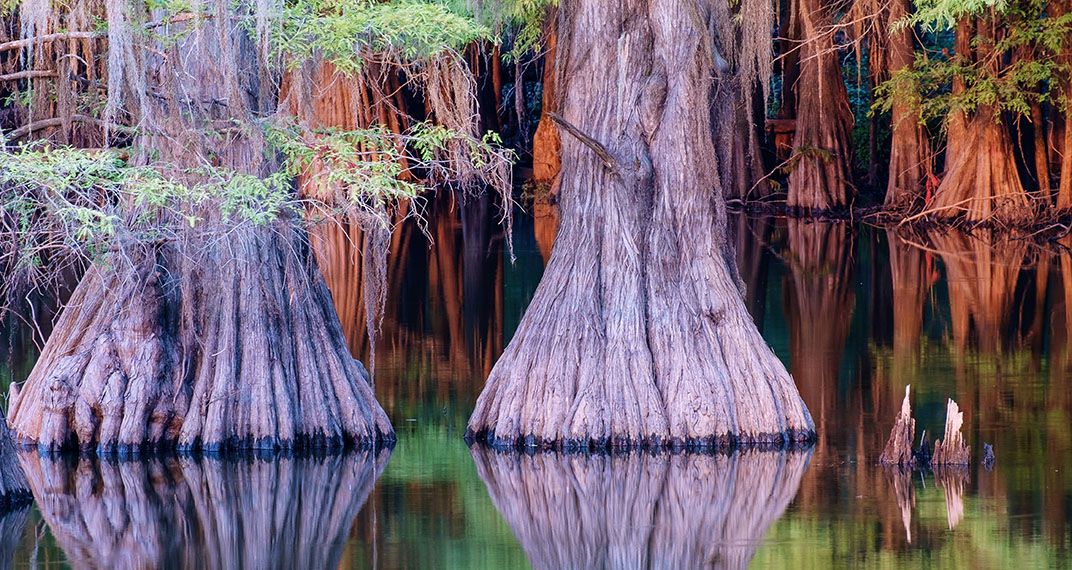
pixel 640 510
pixel 182 512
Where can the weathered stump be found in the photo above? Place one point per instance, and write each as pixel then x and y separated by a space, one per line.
pixel 898 449
pixel 952 450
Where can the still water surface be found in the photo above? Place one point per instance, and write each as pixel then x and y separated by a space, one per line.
pixel 855 312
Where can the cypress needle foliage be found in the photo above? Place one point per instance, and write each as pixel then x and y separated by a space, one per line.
pixel 1025 64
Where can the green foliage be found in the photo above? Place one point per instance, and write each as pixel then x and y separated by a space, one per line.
pixel 374 166
pixel 92 202
pixel 1019 70
pixel 933 15
pixel 348 33
pixel 86 200
pixel 528 18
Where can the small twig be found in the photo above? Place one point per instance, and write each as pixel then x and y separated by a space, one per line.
pixel 956 206
pixel 176 19
pixel 30 74
pixel 47 123
pixel 18 44
pixel 588 141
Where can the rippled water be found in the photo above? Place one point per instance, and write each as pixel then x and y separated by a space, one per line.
pixel 856 312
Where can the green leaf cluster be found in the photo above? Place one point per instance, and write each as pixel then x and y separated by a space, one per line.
pixel 350 32
pixel 1021 68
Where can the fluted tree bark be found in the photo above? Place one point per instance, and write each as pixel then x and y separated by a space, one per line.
pixel 638 334
pixel 910 150
pixel 822 143
pixel 222 336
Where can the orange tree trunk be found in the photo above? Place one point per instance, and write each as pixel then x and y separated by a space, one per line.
pixel 909 146
pixel 1064 189
pixel 822 144
pixel 981 182
pixel 638 334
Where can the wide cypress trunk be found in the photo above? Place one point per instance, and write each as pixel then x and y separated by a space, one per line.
pixel 981 182
pixel 638 334
pixel 239 347
pixel 222 335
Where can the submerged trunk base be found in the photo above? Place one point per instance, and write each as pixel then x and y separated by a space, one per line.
pixel 726 442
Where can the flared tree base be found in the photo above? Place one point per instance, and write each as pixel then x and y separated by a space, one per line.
pixel 228 344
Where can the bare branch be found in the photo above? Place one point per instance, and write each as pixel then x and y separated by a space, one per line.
pixel 588 141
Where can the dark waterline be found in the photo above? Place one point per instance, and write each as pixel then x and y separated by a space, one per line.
pixel 856 312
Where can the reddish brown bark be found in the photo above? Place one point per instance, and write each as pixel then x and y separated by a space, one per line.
pixel 981 182
pixel 546 160
pixel 822 144
pixel 637 333
pixel 910 154
pixel 1064 90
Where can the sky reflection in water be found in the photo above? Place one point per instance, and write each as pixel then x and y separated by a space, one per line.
pixel 856 312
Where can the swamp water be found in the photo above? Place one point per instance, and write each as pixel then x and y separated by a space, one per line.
pixel 856 312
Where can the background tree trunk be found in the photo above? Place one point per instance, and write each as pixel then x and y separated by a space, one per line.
pixel 638 334
pixel 822 144
pixel 910 152
pixel 546 154
pixel 1064 187
pixel 981 181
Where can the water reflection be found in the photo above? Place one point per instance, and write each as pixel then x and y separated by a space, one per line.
pixel 12 525
pixel 819 302
pixel 444 297
pixel 202 513
pixel 899 478
pixel 640 510
pixel 855 312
